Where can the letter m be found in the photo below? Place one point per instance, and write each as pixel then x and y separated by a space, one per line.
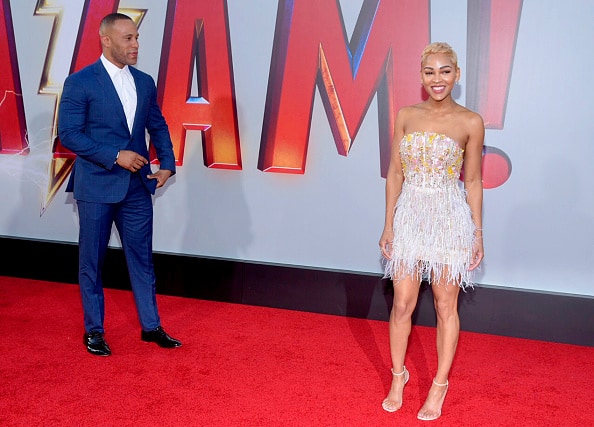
pixel 311 49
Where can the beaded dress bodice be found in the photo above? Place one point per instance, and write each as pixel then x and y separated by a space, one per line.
pixel 430 160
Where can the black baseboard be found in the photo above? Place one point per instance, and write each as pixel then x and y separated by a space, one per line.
pixel 509 312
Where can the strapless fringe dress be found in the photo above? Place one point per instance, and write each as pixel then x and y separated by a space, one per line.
pixel 433 227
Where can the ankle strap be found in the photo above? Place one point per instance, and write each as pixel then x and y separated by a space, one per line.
pixel 401 373
pixel 440 385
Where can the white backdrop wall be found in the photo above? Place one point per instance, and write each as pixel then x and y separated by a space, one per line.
pixel 538 225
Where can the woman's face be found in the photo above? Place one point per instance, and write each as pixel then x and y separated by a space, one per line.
pixel 439 75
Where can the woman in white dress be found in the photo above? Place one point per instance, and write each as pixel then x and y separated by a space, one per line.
pixel 433 227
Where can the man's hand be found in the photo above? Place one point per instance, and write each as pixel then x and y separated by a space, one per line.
pixel 131 160
pixel 162 175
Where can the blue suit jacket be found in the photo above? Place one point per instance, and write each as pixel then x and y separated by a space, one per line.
pixel 92 124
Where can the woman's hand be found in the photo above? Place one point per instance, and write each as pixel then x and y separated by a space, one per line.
pixel 478 253
pixel 385 243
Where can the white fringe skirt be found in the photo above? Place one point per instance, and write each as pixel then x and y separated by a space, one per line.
pixel 433 236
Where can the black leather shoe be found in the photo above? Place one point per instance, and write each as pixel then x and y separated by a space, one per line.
pixel 96 344
pixel 160 337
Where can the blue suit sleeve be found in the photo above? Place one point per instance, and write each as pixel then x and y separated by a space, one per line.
pixel 72 118
pixel 159 132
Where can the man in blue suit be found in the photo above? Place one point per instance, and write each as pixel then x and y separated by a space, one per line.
pixel 105 110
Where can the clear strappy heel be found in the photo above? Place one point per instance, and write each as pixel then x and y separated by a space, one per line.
pixel 392 405
pixel 438 413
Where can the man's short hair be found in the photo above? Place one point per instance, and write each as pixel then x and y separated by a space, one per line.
pixel 109 20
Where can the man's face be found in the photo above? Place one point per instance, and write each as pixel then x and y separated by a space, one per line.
pixel 120 43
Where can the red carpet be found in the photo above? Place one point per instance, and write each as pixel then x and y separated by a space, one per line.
pixel 252 366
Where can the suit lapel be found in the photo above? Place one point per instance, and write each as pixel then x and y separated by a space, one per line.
pixel 109 89
pixel 140 96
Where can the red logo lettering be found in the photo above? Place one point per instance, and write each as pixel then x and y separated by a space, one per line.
pixel 492 35
pixel 192 30
pixel 310 48
pixel 13 127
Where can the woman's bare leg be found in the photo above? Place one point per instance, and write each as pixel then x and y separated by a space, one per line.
pixel 445 297
pixel 406 293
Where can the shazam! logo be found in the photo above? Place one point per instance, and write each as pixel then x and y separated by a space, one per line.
pixel 310 53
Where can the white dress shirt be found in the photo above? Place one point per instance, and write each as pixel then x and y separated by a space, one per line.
pixel 124 84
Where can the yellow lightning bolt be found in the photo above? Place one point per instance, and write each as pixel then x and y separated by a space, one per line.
pixel 47 86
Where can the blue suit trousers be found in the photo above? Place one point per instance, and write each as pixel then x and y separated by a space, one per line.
pixel 133 217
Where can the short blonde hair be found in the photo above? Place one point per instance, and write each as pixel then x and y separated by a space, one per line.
pixel 439 47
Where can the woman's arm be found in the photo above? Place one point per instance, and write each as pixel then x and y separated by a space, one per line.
pixel 473 183
pixel 394 180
